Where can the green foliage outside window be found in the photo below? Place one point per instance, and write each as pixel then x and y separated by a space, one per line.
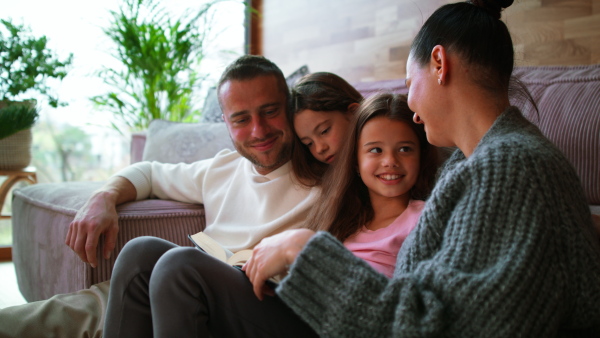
pixel 26 63
pixel 160 56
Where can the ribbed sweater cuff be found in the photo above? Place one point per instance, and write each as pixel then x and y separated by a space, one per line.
pixel 140 175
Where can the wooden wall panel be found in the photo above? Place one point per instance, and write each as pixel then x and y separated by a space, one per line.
pixel 368 40
pixel 254 21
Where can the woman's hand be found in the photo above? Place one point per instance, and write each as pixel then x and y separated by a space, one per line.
pixel 272 257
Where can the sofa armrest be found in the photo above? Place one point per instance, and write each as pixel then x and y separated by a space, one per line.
pixel 138 142
pixel 45 266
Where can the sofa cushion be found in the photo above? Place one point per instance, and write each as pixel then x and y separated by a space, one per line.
pixel 174 142
pixel 568 99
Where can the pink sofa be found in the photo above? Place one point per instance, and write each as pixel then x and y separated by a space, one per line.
pixel 569 114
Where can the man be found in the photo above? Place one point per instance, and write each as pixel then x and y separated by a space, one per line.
pixel 248 195
pixel 254 101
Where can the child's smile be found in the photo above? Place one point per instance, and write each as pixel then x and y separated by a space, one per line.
pixel 390 178
pixel 388 158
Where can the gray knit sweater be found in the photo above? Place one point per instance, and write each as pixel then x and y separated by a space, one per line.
pixel 504 248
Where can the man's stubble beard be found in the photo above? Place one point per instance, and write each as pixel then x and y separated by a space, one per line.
pixel 283 156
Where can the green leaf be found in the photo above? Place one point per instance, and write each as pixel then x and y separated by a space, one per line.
pixel 16 117
pixel 159 56
pixel 26 63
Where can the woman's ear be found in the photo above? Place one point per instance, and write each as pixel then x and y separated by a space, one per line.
pixel 352 107
pixel 439 64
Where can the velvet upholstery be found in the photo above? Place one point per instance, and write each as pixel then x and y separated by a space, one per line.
pixel 568 100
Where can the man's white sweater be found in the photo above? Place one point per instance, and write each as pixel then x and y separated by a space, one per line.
pixel 242 206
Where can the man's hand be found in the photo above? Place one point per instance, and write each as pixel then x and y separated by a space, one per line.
pixel 272 257
pixel 98 216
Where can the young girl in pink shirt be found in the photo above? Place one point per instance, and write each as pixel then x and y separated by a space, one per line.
pixel 373 195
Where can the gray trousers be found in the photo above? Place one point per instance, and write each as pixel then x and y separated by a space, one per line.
pixel 163 290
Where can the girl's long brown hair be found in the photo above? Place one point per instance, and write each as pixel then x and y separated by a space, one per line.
pixel 344 205
pixel 320 91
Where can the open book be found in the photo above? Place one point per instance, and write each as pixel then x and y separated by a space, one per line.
pixel 207 244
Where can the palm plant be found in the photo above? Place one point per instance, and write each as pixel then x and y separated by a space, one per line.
pixel 160 57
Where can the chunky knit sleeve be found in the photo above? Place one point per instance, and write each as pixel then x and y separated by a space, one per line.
pixel 504 248
pixel 339 295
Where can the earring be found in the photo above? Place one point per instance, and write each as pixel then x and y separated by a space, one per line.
pixel 440 82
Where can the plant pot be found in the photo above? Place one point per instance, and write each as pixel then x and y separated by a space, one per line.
pixel 15 150
pixel 5 103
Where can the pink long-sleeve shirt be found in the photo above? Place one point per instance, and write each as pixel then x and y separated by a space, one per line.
pixel 380 247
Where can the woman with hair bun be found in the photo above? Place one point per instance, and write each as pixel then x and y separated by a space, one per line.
pixel 505 245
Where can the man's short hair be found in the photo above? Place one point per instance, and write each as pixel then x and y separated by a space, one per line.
pixel 248 67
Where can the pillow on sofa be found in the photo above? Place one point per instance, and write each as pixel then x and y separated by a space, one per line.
pixel 296 75
pixel 174 142
pixel 211 111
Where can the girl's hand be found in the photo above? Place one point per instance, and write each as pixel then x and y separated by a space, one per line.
pixel 272 257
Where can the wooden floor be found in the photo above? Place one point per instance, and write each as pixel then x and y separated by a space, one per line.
pixel 9 291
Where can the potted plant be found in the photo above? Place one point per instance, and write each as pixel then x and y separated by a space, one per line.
pixel 16 120
pixel 26 63
pixel 159 56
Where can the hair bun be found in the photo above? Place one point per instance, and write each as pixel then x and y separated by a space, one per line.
pixel 494 7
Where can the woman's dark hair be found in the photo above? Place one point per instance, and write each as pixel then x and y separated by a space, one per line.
pixel 344 205
pixel 322 92
pixel 474 31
